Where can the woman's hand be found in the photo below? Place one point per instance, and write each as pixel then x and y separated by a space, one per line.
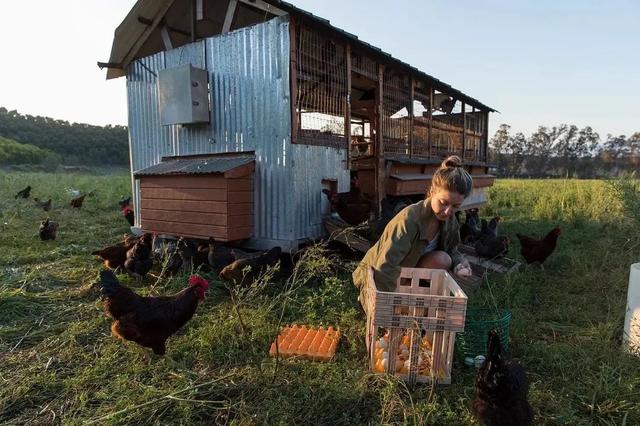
pixel 463 269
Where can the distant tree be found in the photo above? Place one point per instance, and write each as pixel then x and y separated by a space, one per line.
pixel 76 143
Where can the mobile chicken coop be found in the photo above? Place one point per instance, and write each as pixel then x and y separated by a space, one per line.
pixel 241 111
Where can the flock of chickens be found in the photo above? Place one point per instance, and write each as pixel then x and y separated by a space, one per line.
pixel 150 321
pixel 501 384
pixel 484 237
pixel 49 228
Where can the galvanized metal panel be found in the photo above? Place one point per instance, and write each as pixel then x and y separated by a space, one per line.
pixel 312 164
pixel 250 111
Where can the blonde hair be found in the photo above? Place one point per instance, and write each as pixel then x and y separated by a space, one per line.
pixel 451 176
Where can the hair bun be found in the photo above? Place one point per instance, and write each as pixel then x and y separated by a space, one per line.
pixel 451 162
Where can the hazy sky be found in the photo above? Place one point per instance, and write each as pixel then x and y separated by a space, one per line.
pixel 539 62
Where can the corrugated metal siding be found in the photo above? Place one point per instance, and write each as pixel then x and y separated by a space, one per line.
pixel 250 111
pixel 312 164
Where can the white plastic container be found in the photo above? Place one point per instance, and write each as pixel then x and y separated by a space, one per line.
pixel 631 336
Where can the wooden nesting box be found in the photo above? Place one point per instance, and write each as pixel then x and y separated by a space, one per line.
pixel 419 319
pixel 199 197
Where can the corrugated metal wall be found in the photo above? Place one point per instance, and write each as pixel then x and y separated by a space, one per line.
pixel 250 111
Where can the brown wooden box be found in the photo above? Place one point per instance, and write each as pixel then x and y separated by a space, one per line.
pixel 198 206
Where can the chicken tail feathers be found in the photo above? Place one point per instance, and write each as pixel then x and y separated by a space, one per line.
pixel 109 284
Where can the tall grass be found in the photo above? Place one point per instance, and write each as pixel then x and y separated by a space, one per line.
pixel 59 363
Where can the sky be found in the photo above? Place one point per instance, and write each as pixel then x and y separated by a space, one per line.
pixel 538 62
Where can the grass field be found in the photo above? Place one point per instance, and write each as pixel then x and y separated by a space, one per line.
pixel 59 363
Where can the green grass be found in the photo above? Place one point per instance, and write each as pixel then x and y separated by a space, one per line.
pixel 59 363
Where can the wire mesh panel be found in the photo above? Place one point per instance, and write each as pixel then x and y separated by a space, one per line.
pixel 420 123
pixel 321 90
pixel 473 139
pixel 396 110
pixel 364 65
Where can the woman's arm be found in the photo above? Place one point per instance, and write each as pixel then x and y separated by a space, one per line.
pixel 393 247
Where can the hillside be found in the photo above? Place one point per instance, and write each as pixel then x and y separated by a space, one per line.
pixel 75 143
pixel 12 152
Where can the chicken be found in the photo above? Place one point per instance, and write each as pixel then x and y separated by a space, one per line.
pixel 192 256
pixel 128 214
pixel 245 271
pixel 492 247
pixel 115 256
pixel 353 207
pixel 76 203
pixel 470 231
pixel 140 257
pixel 48 229
pixel 538 250
pixel 44 205
pixel 149 321
pixel 167 254
pixel 24 193
pixel 490 229
pixel 501 390
pixel 124 202
pixel 219 256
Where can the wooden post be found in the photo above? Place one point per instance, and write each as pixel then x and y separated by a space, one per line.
pixel 347 107
pixel 193 20
pixel 293 76
pixel 485 138
pixel 464 131
pixel 380 164
pixel 430 138
pixel 411 118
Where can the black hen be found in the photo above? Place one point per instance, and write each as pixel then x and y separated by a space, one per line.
pixel 490 229
pixel 140 257
pixel 470 230
pixel 501 390
pixel 490 247
pixel 48 229
pixel 24 193
pixel 192 256
pixel 219 256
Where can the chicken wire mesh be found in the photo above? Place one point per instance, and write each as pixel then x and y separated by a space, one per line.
pixel 321 90
pixel 396 112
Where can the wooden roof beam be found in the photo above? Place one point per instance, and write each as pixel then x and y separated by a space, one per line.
pixel 228 19
pixel 147 33
pixel 262 5
pixel 149 22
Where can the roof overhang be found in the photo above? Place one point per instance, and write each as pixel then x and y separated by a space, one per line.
pixel 156 25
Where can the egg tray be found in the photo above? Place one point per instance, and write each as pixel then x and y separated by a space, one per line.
pixel 315 344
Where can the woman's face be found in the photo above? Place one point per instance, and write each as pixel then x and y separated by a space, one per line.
pixel 445 203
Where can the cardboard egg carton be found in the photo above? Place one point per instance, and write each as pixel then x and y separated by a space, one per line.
pixel 315 344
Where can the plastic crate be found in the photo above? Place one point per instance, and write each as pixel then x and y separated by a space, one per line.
pixel 417 324
pixel 479 322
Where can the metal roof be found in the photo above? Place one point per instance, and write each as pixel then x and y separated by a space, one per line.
pixel 131 35
pixel 197 164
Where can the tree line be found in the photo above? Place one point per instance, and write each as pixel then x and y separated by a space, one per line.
pixel 75 143
pixel 563 151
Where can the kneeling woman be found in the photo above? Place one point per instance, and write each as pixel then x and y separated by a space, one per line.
pixel 424 234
